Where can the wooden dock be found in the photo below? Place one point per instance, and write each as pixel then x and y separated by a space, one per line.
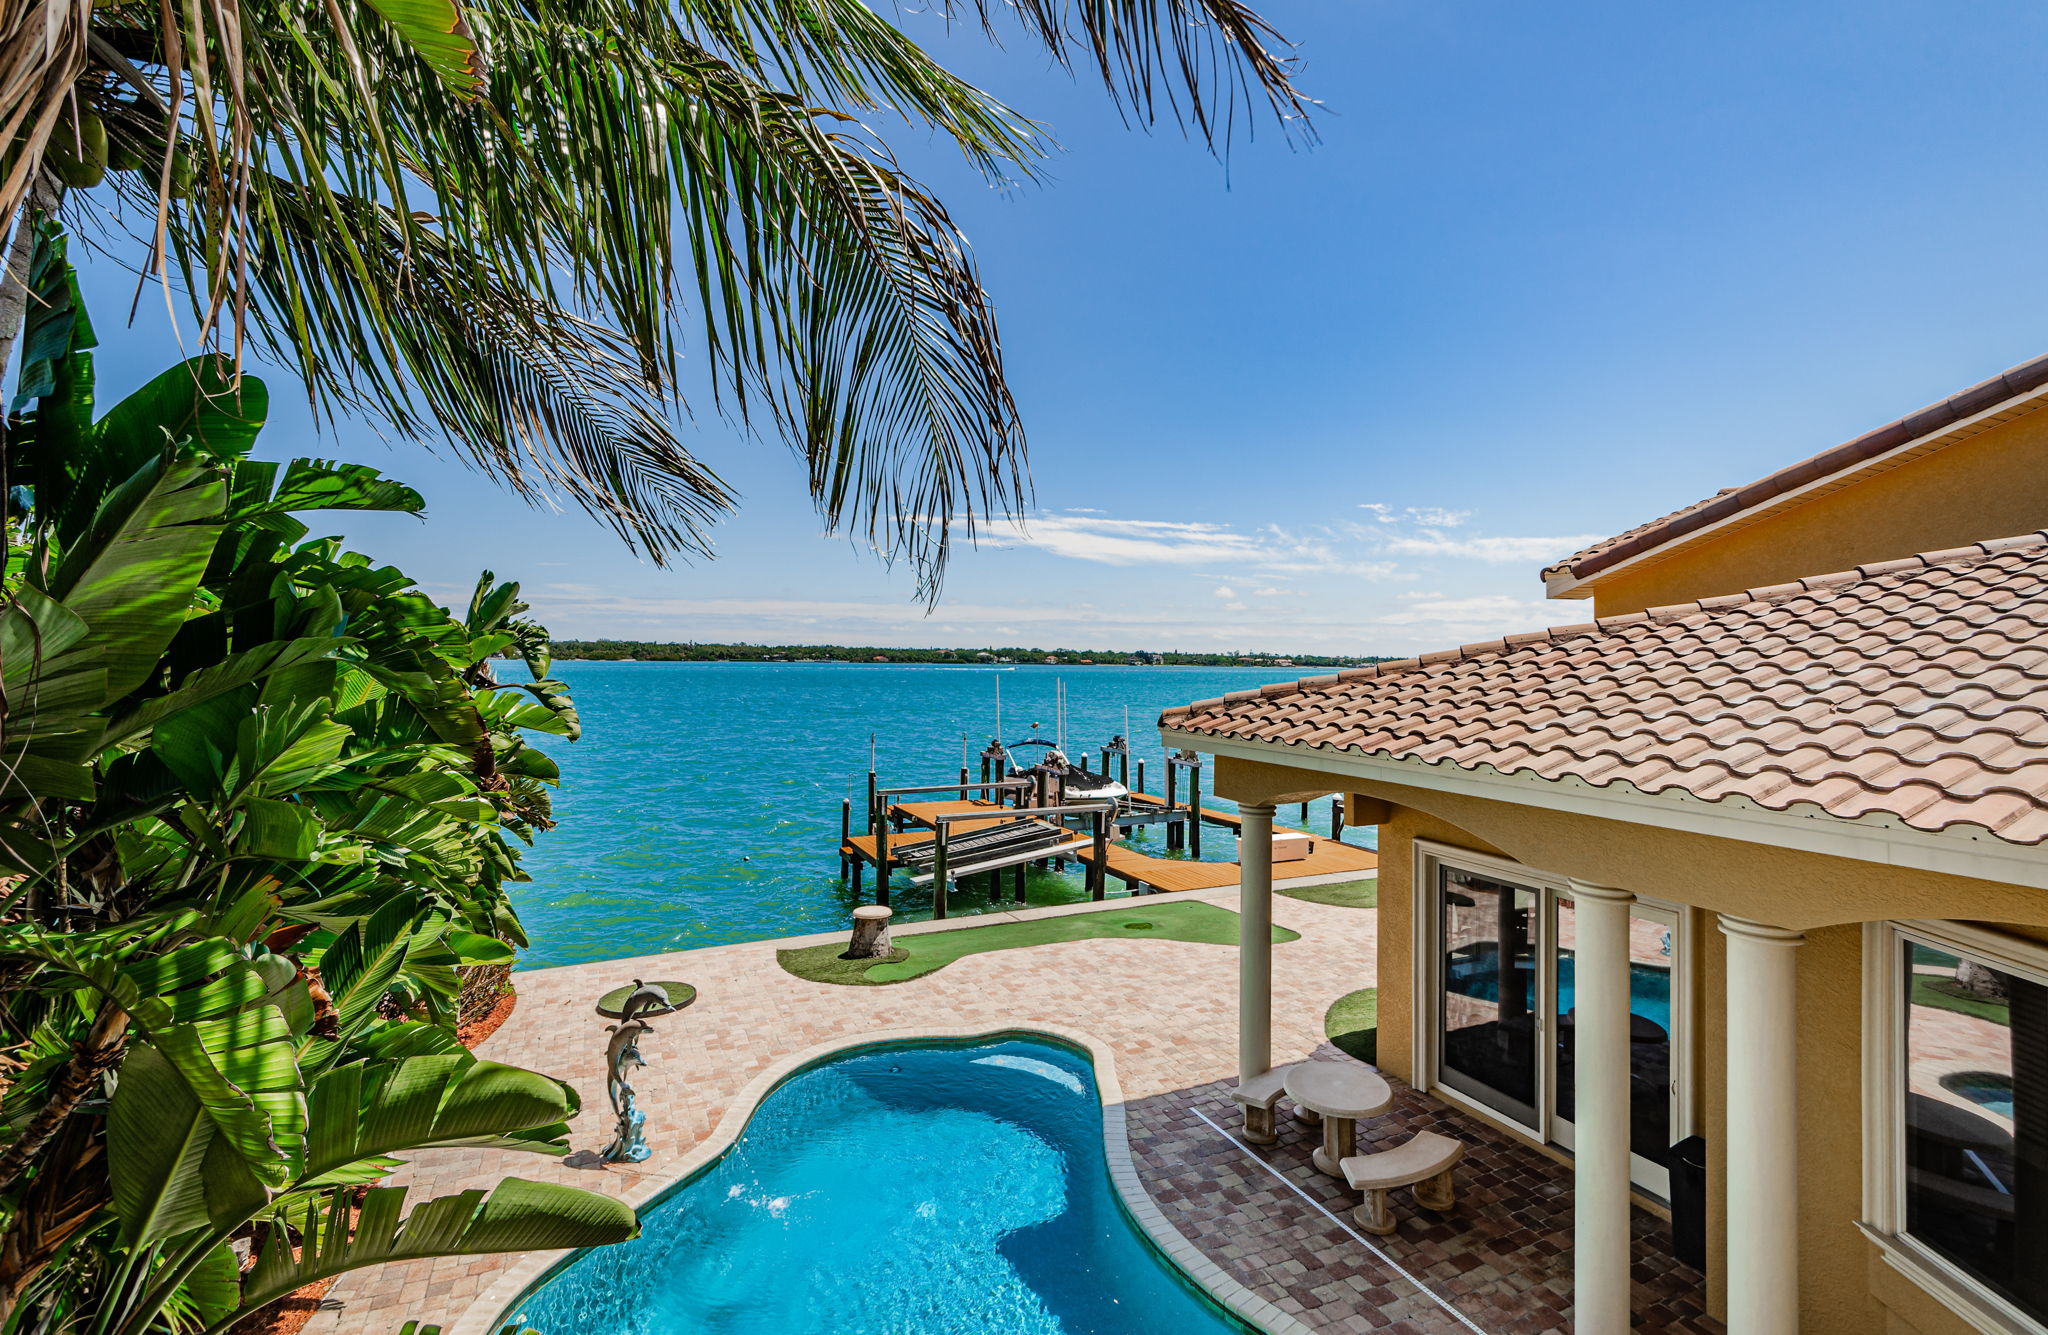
pixel 1134 869
pixel 905 834
pixel 1229 820
pixel 925 814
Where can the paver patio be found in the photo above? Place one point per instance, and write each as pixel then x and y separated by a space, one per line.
pixel 1500 1265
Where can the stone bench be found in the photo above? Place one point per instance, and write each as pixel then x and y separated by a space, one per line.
pixel 1423 1161
pixel 1258 1097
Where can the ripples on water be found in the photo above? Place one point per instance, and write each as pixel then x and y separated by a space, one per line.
pixel 702 805
pixel 940 1191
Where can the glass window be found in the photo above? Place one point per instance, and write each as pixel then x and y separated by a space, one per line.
pixel 1487 935
pixel 1976 1120
pixel 1650 961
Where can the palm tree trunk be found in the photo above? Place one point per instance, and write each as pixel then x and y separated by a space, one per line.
pixel 42 203
pixel 93 1058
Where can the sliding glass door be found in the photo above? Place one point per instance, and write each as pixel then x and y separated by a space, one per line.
pixel 1487 1044
pixel 1501 997
pixel 1653 1092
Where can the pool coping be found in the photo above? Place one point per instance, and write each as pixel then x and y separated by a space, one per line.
pixel 487 1312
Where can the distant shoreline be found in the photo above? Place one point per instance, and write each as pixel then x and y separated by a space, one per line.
pixel 642 651
pixel 848 662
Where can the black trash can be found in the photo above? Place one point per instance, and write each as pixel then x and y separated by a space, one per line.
pixel 1689 1202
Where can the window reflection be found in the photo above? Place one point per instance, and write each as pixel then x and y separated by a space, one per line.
pixel 1649 1029
pixel 1976 1118
pixel 1489 992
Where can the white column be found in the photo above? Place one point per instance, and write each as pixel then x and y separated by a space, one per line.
pixel 1255 941
pixel 1600 1102
pixel 1762 1152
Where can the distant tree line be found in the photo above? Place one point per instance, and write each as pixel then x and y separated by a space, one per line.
pixel 648 651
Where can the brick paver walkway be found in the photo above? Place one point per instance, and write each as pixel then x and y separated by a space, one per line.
pixel 1500 1265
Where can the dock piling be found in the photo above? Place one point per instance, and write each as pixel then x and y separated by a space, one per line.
pixel 1173 827
pixel 1098 867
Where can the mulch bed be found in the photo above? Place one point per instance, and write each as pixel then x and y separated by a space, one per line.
pixel 287 1315
pixel 476 1031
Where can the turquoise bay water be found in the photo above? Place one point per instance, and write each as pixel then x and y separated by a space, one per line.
pixel 702 805
pixel 955 1190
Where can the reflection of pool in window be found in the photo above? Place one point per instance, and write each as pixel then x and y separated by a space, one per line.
pixel 1929 957
pixel 1987 1089
pixel 1976 1173
pixel 1473 974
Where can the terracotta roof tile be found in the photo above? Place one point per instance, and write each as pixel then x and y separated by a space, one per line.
pixel 1913 691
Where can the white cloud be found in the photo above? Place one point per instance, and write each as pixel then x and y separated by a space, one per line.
pixel 1424 530
pixel 1130 542
pixel 1225 591
pixel 1490 613
pixel 1432 542
pixel 1429 516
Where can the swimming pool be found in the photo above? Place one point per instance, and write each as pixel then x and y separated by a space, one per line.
pixel 936 1189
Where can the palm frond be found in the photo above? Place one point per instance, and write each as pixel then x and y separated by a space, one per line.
pixel 501 224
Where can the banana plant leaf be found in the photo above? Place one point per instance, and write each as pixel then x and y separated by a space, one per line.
pixel 132 575
pixel 517 1216
pixel 398 1107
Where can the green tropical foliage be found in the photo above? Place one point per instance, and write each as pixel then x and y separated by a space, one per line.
pixel 260 800
pixel 504 221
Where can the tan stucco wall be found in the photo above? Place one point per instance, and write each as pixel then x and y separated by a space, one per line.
pixel 1844 1289
pixel 1993 485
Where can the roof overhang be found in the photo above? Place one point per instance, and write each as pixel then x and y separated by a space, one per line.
pixel 1983 857
pixel 1837 469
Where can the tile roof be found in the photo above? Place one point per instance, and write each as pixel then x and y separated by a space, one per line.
pixel 1981 397
pixel 1913 692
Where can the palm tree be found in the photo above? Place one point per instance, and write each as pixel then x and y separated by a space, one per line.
pixel 491 222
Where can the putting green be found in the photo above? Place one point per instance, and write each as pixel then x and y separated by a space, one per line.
pixel 1363 894
pixel 1353 1024
pixel 922 953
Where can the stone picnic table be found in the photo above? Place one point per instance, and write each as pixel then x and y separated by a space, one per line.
pixel 1341 1092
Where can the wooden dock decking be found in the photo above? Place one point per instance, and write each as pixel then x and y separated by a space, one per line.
pixel 1229 820
pixel 1131 867
pixel 926 814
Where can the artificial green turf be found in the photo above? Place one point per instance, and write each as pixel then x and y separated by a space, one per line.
pixel 1949 995
pixel 828 964
pixel 1353 1024
pixel 1363 894
pixel 922 953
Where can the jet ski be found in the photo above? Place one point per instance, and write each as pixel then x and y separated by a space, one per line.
pixel 1082 784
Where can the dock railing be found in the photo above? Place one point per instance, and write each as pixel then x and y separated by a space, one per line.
pixel 878 805
pixel 1099 815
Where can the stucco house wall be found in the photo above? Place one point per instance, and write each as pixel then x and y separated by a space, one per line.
pixel 1992 485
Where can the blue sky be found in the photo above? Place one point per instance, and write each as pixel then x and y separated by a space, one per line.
pixel 1552 270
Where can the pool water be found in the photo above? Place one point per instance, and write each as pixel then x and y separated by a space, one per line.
pixel 1987 1089
pixel 1649 986
pixel 930 1190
